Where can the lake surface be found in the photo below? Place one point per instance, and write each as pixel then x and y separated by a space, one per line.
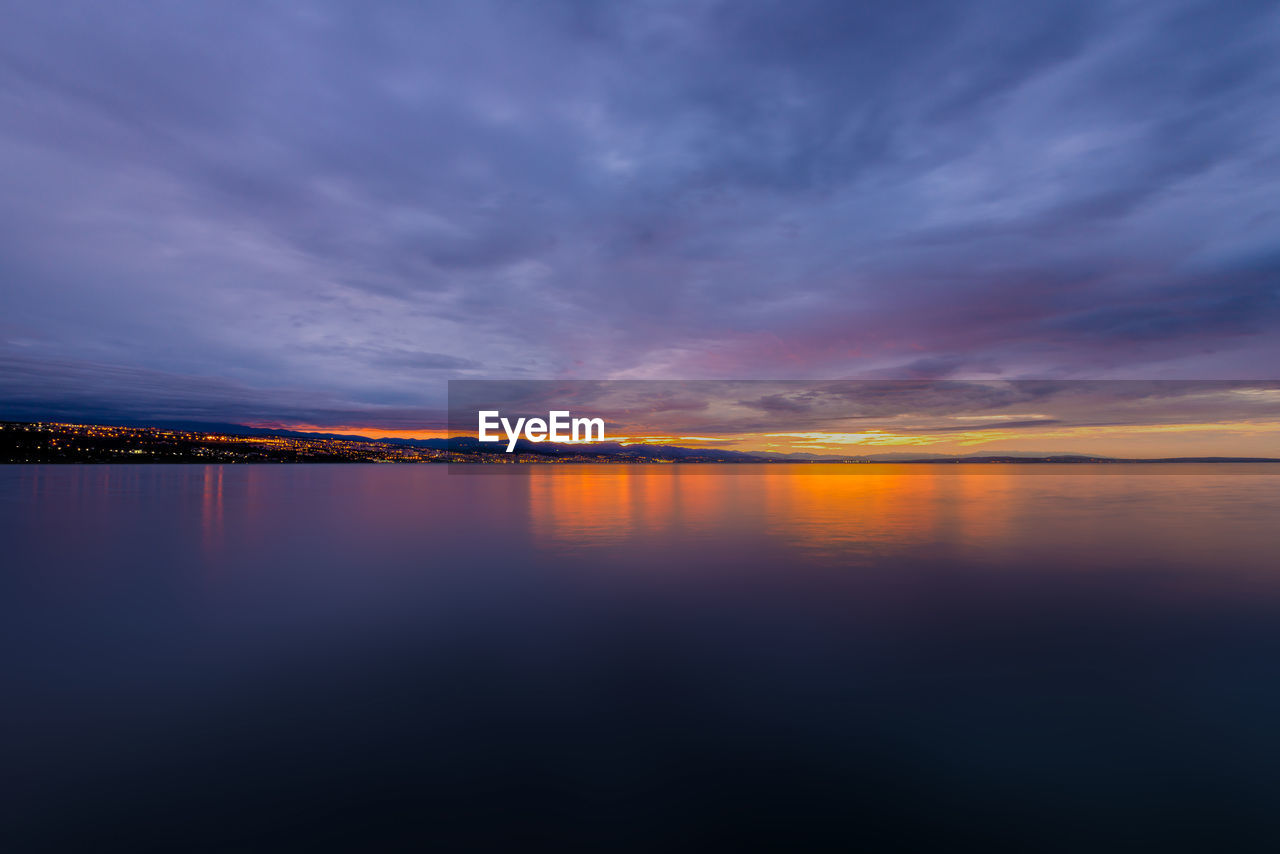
pixel 361 657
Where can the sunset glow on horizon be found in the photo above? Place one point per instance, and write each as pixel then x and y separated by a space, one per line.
pixel 370 432
pixel 1234 438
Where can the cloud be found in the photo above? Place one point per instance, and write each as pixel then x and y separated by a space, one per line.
pixel 89 392
pixel 732 408
pixel 351 204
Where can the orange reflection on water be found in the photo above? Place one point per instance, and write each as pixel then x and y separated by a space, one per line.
pixel 211 525
pixel 812 508
pixel 594 506
pixel 1087 516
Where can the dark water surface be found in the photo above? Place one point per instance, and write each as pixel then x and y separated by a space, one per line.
pixel 373 658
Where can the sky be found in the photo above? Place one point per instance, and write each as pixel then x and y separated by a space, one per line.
pixel 1115 418
pixel 318 213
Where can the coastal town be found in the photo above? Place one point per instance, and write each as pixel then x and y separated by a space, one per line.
pixel 53 442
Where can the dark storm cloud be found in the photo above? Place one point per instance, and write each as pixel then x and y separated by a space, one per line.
pixel 347 203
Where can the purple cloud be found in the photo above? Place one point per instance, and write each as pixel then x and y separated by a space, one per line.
pixel 332 208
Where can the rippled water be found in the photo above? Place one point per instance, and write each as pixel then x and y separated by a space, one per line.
pixel 264 657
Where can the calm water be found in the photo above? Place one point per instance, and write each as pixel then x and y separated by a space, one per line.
pixel 363 657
